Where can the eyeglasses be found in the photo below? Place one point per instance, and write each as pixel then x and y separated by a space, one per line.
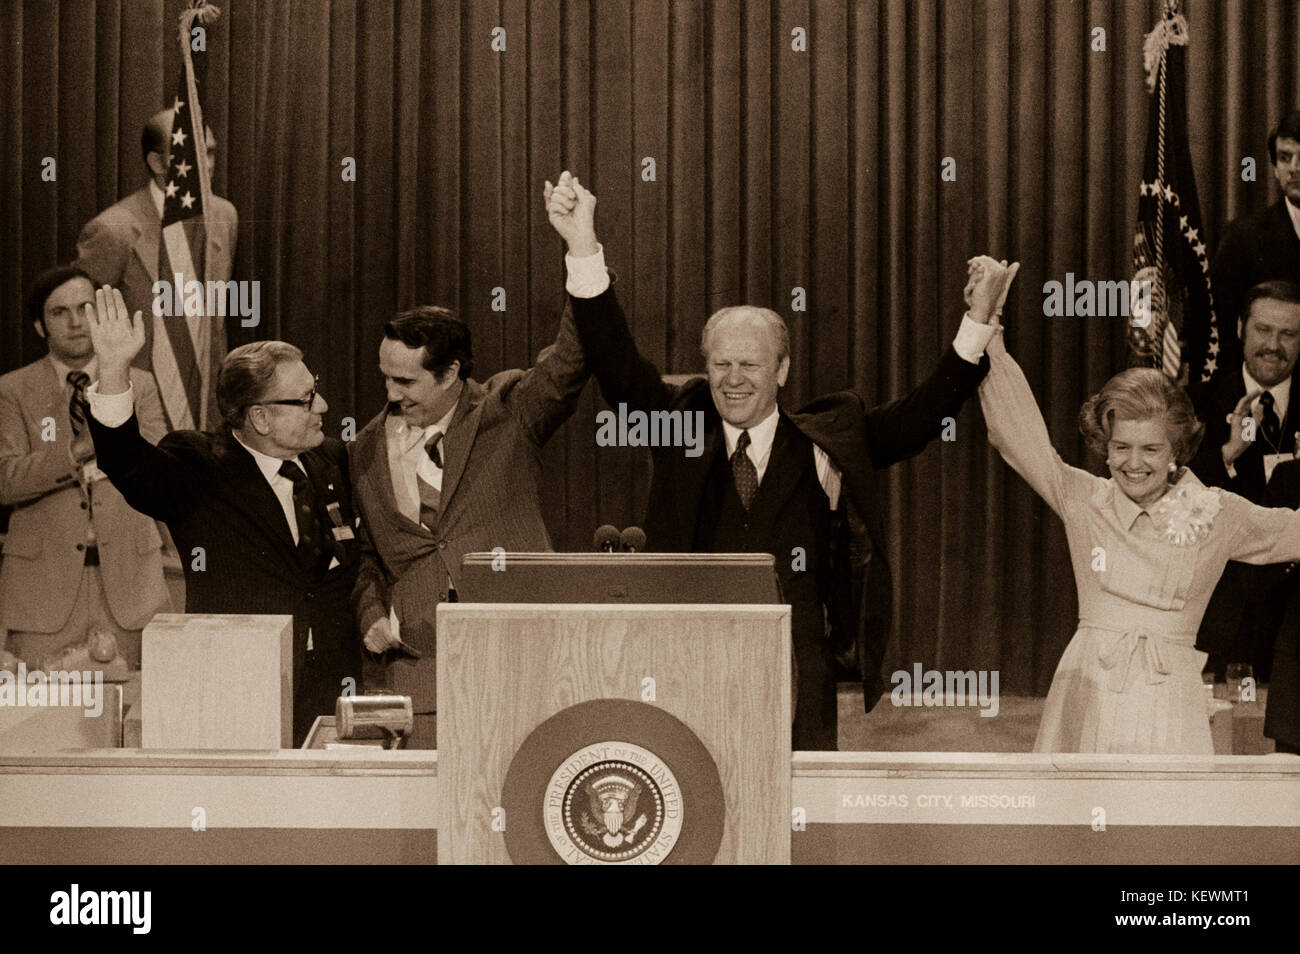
pixel 305 403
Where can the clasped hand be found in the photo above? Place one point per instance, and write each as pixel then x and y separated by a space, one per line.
pixel 987 284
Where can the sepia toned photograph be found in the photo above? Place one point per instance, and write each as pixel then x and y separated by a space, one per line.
pixel 796 432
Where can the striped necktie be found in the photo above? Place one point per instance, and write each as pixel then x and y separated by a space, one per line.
pixel 77 404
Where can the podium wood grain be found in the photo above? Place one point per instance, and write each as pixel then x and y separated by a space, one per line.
pixel 217 682
pixel 723 670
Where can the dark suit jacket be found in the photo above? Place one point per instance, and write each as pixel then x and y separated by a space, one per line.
pixel 859 440
pixel 1282 717
pixel 1256 248
pixel 210 493
pixel 1214 401
pixel 490 498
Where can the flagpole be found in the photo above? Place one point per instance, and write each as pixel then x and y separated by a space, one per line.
pixel 201 12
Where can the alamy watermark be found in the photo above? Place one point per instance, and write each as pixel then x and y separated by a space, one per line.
pixel 951 688
pixel 53 689
pixel 651 429
pixel 178 298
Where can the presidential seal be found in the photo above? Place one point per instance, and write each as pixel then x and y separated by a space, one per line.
pixel 612 782
pixel 613 803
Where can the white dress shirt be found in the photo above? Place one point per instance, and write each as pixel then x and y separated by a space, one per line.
pixel 407 460
pixel 1294 212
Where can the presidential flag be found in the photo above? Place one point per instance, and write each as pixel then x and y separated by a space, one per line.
pixel 189 343
pixel 1173 327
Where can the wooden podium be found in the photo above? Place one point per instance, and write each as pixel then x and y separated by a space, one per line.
pixel 595 733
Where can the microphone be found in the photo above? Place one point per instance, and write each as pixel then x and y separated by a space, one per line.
pixel 632 539
pixel 606 539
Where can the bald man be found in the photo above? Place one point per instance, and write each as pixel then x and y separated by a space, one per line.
pixel 119 247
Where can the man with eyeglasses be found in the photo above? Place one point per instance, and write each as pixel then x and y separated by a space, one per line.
pixel 261 512
pixel 77 559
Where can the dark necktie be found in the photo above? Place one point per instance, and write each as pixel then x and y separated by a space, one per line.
pixel 430 497
pixel 744 471
pixel 77 405
pixel 304 508
pixel 1272 427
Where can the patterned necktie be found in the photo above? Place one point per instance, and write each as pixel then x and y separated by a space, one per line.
pixel 430 496
pixel 744 471
pixel 304 508
pixel 77 404
pixel 1271 426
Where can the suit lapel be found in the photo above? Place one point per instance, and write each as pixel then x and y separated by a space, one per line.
pixel 148 231
pixel 694 471
pixel 252 492
pixel 779 480
pixel 377 476
pixel 459 440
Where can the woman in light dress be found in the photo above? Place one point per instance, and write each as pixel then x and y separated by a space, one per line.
pixel 1148 545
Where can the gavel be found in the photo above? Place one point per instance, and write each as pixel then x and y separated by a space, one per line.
pixel 393 715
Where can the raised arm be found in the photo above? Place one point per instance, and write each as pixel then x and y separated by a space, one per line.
pixel 1016 427
pixel 625 377
pixel 1263 534
pixel 154 480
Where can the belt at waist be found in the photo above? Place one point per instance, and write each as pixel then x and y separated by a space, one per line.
pixel 1119 647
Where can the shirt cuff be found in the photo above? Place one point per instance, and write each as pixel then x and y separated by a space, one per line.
pixel 111 410
pixel 1229 467
pixel 587 275
pixel 972 338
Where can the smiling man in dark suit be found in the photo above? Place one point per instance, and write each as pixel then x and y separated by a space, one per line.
pixel 770 481
pixel 261 512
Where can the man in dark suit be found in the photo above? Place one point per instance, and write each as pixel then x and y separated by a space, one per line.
pixel 771 481
pixel 451 466
pixel 1241 619
pixel 1265 245
pixel 261 512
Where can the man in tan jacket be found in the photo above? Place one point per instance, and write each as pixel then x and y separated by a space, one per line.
pixel 76 556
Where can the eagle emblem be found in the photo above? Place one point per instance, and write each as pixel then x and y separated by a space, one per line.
pixel 613 817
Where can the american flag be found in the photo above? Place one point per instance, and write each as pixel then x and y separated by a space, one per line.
pixel 1169 249
pixel 188 349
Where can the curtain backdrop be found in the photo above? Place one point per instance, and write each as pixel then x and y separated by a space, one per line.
pixel 775 169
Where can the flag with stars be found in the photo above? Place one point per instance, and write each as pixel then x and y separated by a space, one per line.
pixel 187 347
pixel 1177 332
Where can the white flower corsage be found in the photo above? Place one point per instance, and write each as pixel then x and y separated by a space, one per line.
pixel 1187 514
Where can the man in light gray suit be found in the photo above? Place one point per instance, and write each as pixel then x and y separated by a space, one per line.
pixel 451 466
pixel 119 247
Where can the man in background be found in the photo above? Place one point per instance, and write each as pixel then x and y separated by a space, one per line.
pixel 1243 616
pixel 1265 245
pixel 77 557
pixel 120 246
